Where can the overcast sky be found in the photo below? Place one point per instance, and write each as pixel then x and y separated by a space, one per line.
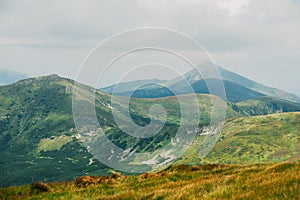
pixel 256 38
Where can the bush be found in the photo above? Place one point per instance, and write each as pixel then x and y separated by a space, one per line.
pixel 39 187
pixel 85 181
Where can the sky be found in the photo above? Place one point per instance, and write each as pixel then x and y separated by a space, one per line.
pixel 255 38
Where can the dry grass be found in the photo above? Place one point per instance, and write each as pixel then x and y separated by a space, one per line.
pixel 257 181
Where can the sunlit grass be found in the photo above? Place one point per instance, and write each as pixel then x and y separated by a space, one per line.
pixel 55 143
pixel 256 181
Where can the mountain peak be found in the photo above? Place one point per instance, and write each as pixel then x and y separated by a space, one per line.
pixel 51 77
pixel 46 78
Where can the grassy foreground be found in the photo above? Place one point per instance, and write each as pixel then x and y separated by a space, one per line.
pixel 256 181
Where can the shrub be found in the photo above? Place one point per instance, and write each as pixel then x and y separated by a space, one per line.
pixel 85 181
pixel 39 187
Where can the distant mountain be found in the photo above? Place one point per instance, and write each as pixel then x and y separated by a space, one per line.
pixel 238 88
pixel 268 91
pixel 9 76
pixel 129 86
pixel 38 140
pixel 234 92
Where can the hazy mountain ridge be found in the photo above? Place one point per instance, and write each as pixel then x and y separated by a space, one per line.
pixel 234 92
pixel 129 86
pixel 269 91
pixel 9 76
pixel 238 88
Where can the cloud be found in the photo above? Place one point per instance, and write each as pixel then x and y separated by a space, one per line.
pixel 246 36
pixel 234 7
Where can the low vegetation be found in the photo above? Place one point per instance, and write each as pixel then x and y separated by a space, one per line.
pixel 212 181
pixel 267 138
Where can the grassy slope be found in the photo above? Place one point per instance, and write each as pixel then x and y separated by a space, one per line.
pixel 265 105
pixel 36 113
pixel 269 138
pixel 257 181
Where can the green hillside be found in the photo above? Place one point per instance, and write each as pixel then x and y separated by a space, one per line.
pixel 269 138
pixel 37 135
pixel 265 106
pixel 38 140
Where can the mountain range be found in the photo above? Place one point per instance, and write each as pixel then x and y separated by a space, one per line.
pixel 237 87
pixel 38 139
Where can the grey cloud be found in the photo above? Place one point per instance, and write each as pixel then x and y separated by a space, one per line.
pixel 247 36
